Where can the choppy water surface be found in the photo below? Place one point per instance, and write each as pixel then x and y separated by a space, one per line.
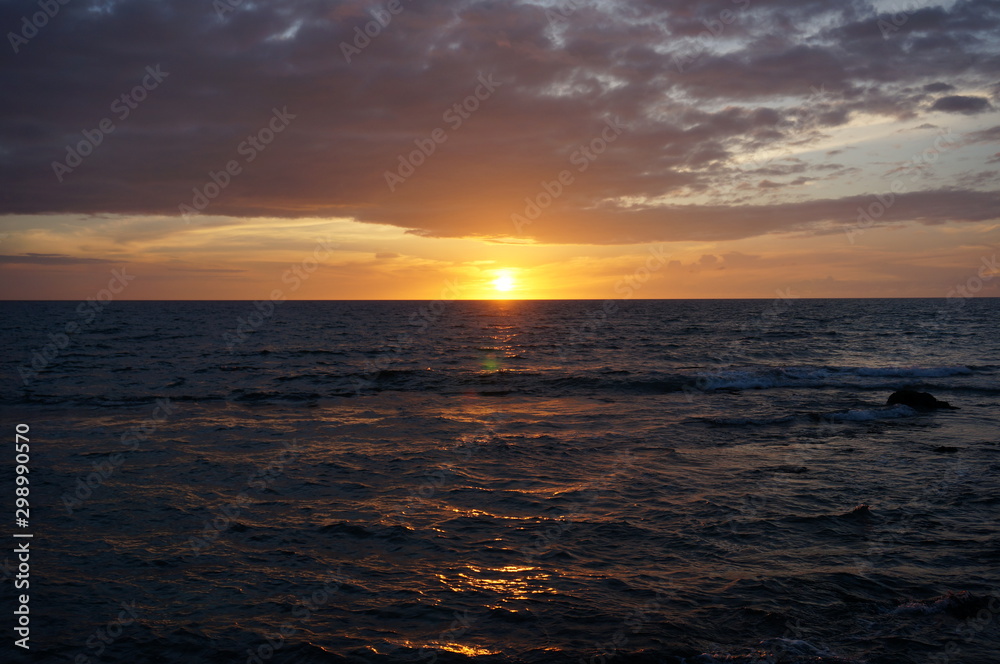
pixel 694 481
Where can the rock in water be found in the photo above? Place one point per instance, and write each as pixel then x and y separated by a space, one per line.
pixel 917 400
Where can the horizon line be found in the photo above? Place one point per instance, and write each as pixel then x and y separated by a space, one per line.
pixel 534 299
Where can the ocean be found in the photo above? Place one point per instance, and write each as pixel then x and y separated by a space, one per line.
pixel 505 481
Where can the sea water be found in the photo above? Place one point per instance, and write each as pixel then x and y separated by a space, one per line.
pixel 535 481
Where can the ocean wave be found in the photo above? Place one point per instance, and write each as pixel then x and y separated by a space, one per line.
pixel 817 376
pixel 776 651
pixel 961 605
pixel 869 414
pixel 747 421
pixel 860 513
pixel 913 372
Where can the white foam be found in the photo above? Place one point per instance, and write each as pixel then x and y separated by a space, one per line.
pixel 911 372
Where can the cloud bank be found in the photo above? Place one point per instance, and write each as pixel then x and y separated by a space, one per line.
pixel 289 109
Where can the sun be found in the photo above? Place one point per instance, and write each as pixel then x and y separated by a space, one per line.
pixel 504 283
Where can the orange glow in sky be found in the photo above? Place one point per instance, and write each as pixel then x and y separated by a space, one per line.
pixel 484 152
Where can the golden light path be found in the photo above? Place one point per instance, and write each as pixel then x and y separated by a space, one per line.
pixel 511 584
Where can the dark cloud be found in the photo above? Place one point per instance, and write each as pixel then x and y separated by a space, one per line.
pixel 694 88
pixel 622 225
pixel 211 270
pixel 961 104
pixel 50 259
pixel 938 86
pixel 991 135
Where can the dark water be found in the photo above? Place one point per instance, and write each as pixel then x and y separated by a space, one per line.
pixel 676 481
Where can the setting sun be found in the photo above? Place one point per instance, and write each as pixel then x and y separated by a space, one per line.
pixel 504 281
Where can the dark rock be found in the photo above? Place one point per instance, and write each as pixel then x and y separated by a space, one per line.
pixel 917 400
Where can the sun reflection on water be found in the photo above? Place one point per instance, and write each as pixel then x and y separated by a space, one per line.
pixel 471 651
pixel 511 583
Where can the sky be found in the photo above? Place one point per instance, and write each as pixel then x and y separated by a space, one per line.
pixel 308 149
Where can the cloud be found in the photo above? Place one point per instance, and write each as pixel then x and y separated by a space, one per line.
pixel 960 104
pixel 211 270
pixel 613 224
pixel 938 86
pixel 51 259
pixel 991 135
pixel 698 92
